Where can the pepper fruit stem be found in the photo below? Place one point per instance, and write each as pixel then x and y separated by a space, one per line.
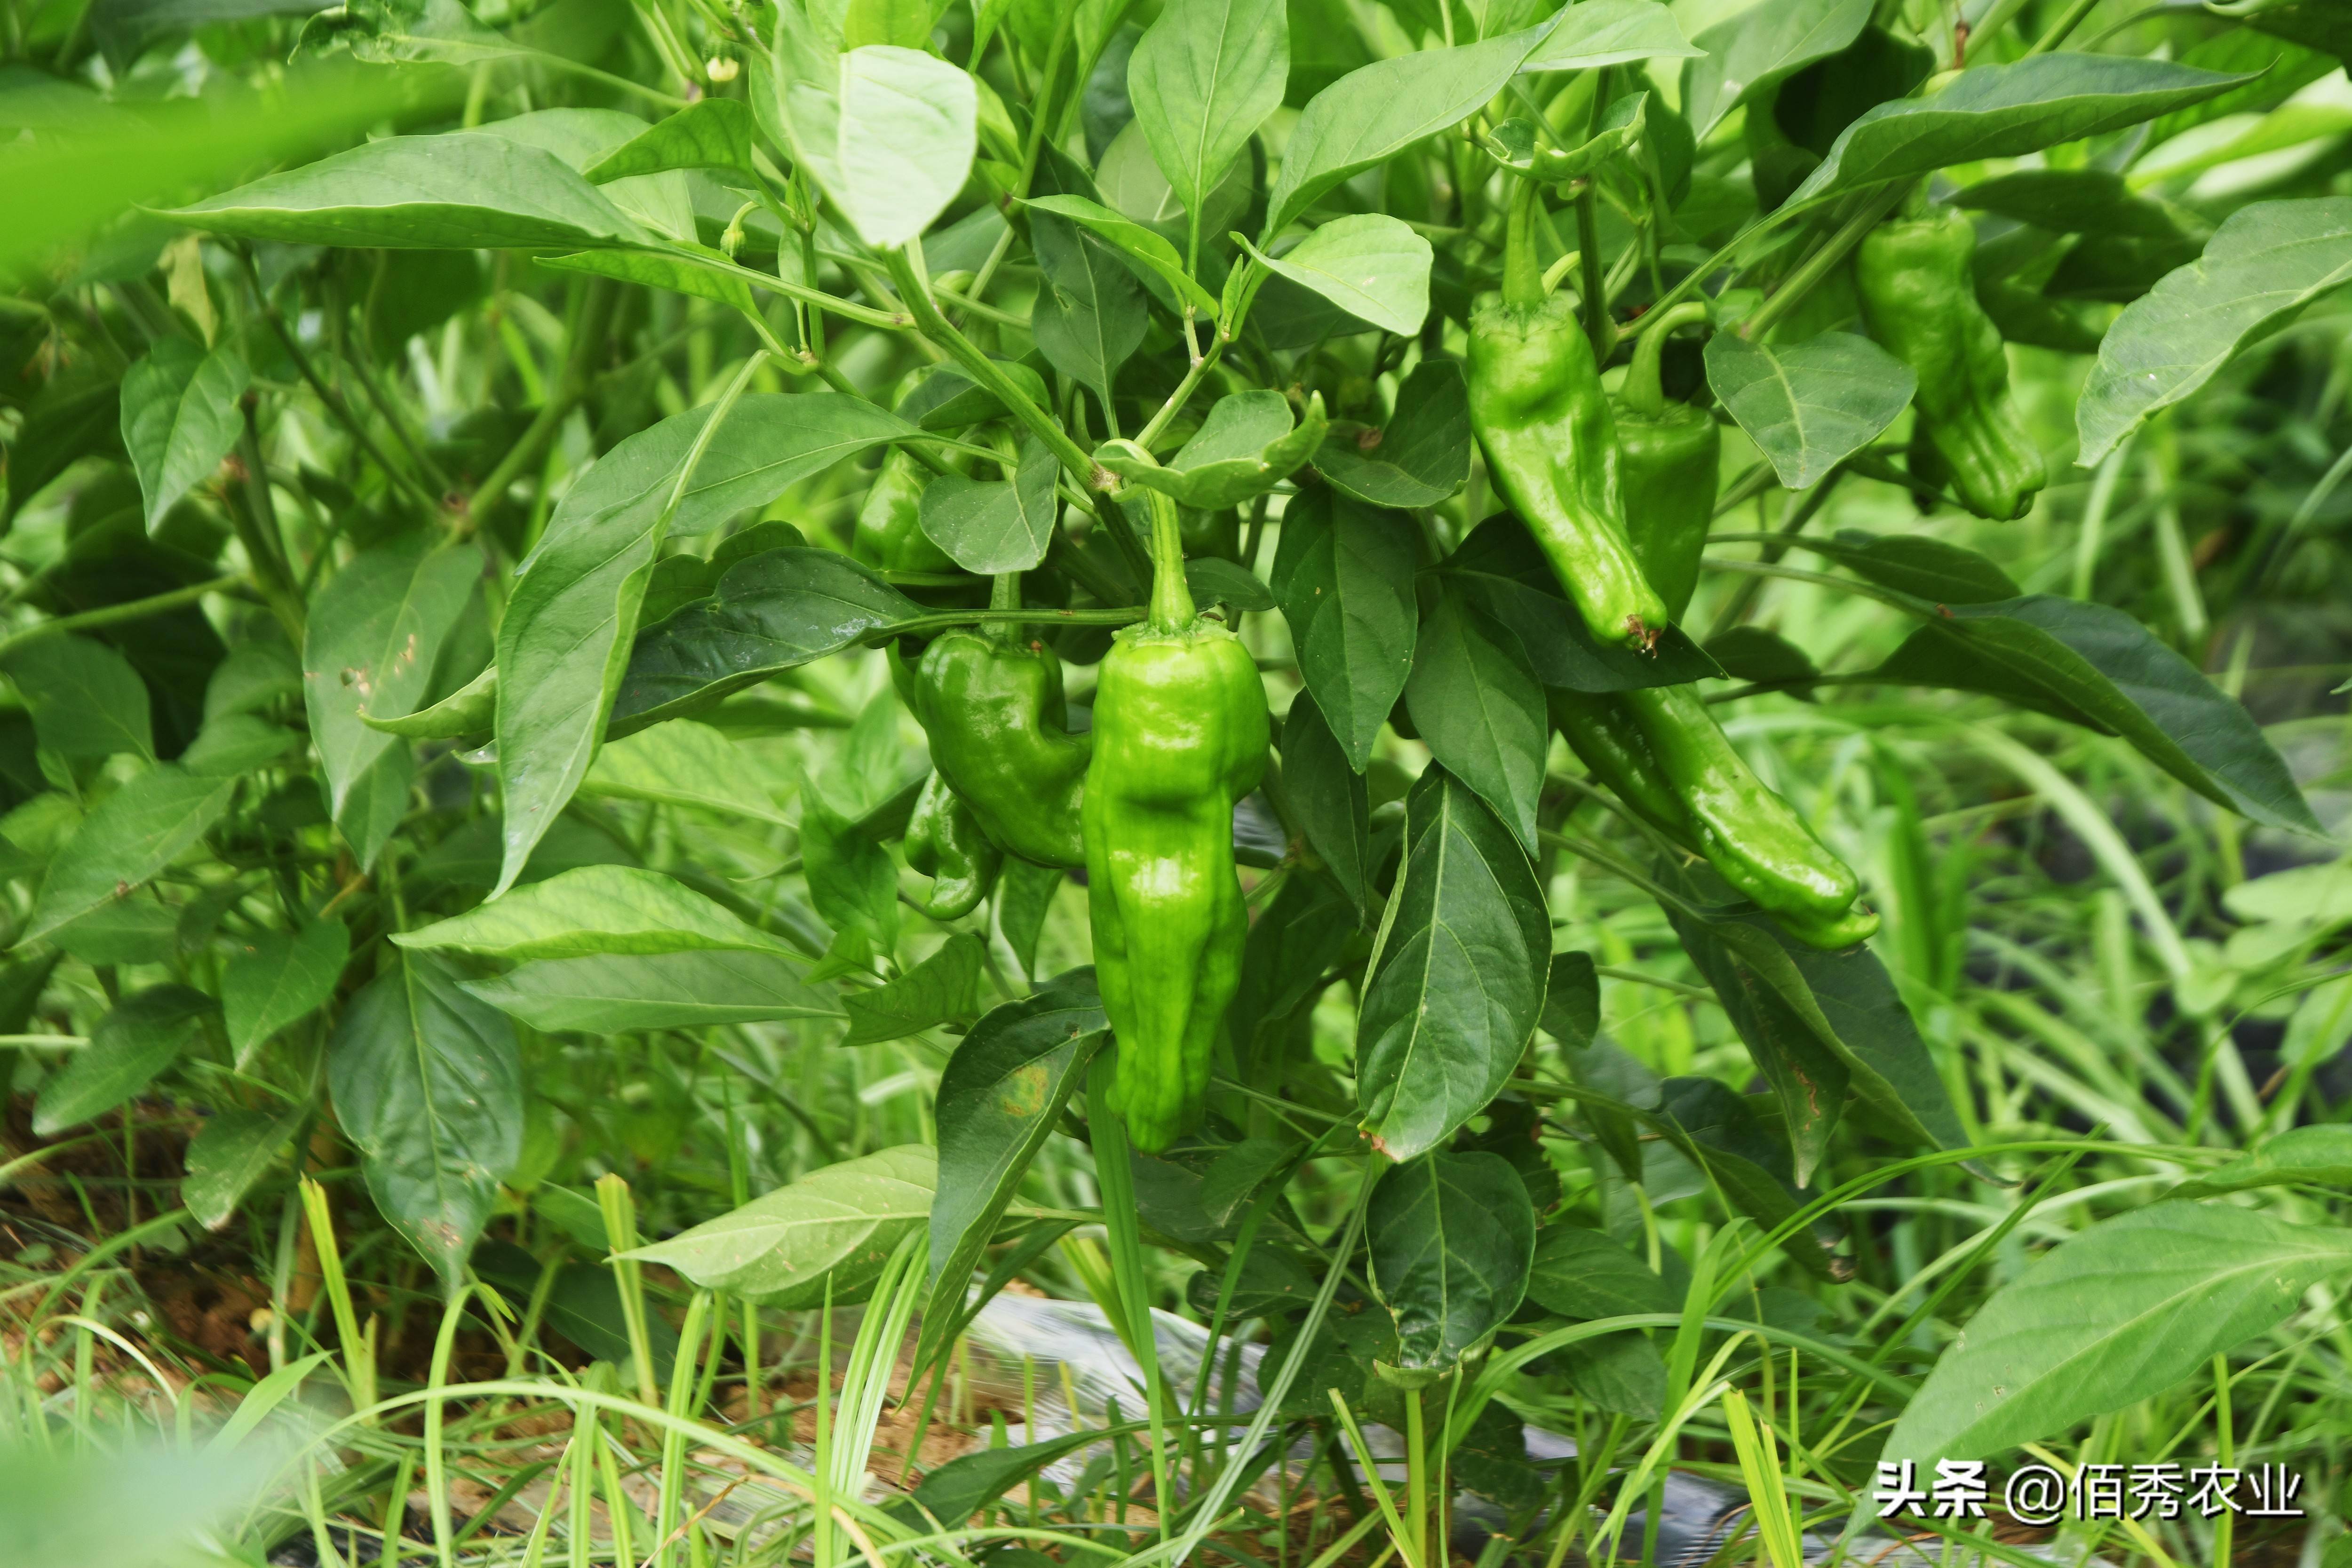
pixel 1172 609
pixel 1644 392
pixel 1523 274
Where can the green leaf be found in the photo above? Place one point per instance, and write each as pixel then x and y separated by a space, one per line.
pixel 998 1101
pixel 134 833
pixel 1452 1237
pixel 87 700
pixel 571 623
pixel 2262 266
pixel 684 764
pixel 427 1084
pixel 1344 575
pixel 2317 1156
pixel 2121 1312
pixel 1478 708
pixel 1501 571
pixel 1914 564
pixel 2008 112
pixel 1372 266
pixel 468 710
pixel 772 612
pixel 843 1220
pixel 1327 799
pixel 460 191
pixel 1817 1024
pixel 1202 78
pixel 1714 1129
pixel 1456 980
pixel 672 270
pixel 1135 240
pixel 1583 1274
pixel 229 1153
pixel 942 989
pixel 1216 581
pixel 593 909
pixel 620 993
pixel 236 744
pixel 852 880
pixel 144 1034
pixel 994 526
pixel 1089 315
pixel 967 1483
pixel 712 133
pixel 1423 456
pixel 1599 33
pixel 890 137
pixel 1369 116
pixel 374 631
pixel 1571 1009
pixel 2071 200
pixel 1760 46
pixel 2315 23
pixel 2095 665
pixel 276 978
pixel 180 417
pixel 1245 447
pixel 1811 405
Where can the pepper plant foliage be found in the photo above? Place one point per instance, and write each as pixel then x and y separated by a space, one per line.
pixel 502 502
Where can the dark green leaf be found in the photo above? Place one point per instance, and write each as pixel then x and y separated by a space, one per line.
pixel 1477 704
pixel 1917 565
pixel 994 526
pixel 135 833
pixel 2007 112
pixel 1245 447
pixel 229 1153
pixel 87 700
pixel 1752 653
pixel 2096 665
pixel 771 611
pixel 1215 581
pixel 1423 456
pixel 1456 981
pixel 852 880
pixel 427 1083
pixel 180 417
pixel 1090 314
pixel 276 978
pixel 144 1034
pixel 374 631
pixel 2314 1156
pixel 1452 1237
pixel 1344 575
pixel 942 989
pixel 1571 1009
pixel 1583 1274
pixel 1811 405
pixel 570 623
pixel 998 1100
pixel 1760 46
pixel 1328 799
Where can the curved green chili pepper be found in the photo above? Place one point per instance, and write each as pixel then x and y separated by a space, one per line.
pixel 1919 299
pixel 1180 733
pixel 944 842
pixel 1670 456
pixel 1537 407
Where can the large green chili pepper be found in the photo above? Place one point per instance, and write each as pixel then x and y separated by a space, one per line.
pixel 1670 455
pixel 889 533
pixel 945 843
pixel 1918 297
pixel 1537 407
pixel 1180 733
pixel 1662 754
pixel 992 703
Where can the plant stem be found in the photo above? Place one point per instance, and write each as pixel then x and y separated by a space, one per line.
pixel 1817 266
pixel 1644 390
pixel 905 263
pixel 571 384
